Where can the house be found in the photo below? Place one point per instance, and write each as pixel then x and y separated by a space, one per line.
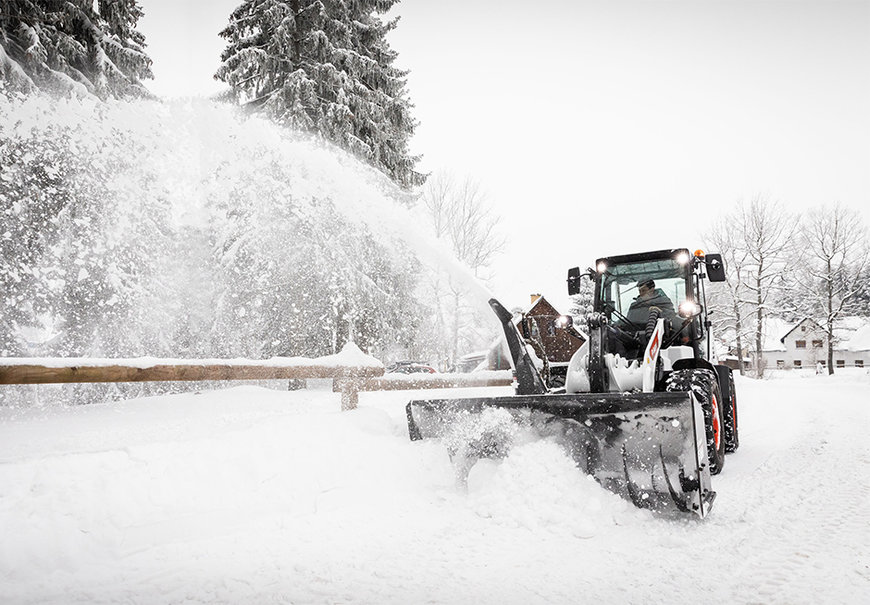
pixel 539 322
pixel 542 323
pixel 732 360
pixel 805 344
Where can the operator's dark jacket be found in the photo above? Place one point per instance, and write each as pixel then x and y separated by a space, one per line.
pixel 638 312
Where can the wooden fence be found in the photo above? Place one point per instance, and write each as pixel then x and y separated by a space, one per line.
pixel 348 379
pixel 350 387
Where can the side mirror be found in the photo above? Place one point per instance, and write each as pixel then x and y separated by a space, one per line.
pixel 574 281
pixel 715 267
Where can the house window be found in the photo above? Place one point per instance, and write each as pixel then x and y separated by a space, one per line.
pixel 780 364
pixel 803 328
pixel 797 363
pixel 841 363
pixel 823 362
pixel 859 363
pixel 817 344
pixel 800 344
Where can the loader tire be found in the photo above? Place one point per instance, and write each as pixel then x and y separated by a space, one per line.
pixel 729 414
pixel 704 385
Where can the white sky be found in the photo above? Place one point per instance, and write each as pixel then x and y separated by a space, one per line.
pixel 602 128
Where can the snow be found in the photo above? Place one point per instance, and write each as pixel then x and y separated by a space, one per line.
pixel 860 340
pixel 350 356
pixel 773 330
pixel 250 495
pixel 853 333
pixel 249 205
pixel 477 375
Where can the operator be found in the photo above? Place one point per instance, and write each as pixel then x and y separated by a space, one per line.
pixel 649 296
pixel 628 338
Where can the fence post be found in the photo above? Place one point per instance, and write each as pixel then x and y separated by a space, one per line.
pixel 295 384
pixel 349 393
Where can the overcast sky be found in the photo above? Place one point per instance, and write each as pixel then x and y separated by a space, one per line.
pixel 607 127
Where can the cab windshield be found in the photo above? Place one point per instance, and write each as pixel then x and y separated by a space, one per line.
pixel 619 284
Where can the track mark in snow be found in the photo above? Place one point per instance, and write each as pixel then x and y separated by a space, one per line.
pixel 809 516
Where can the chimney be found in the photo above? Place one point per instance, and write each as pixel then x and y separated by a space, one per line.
pixel 535 298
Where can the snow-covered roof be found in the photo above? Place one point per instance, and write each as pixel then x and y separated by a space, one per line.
pixel 774 331
pixel 852 333
pixel 860 340
pixel 805 321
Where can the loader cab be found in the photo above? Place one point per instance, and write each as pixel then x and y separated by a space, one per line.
pixel 626 286
pixel 617 279
pixel 678 277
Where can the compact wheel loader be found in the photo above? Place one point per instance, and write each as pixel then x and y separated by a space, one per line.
pixel 645 409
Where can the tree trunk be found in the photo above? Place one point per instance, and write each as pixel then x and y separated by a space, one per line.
pixel 455 344
pixel 830 326
pixel 440 326
pixel 759 325
pixel 738 327
pixel 297 38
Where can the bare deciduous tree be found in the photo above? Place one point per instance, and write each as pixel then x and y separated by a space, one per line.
pixel 834 256
pixel 459 210
pixel 768 231
pixel 733 314
pixel 758 237
pixel 460 214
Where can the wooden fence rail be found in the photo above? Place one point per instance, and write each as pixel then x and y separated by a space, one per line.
pixel 350 387
pixel 347 379
pixel 37 371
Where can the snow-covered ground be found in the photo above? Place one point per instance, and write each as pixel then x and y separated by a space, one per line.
pixel 251 495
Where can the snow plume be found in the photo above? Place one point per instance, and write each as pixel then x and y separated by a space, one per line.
pixel 182 229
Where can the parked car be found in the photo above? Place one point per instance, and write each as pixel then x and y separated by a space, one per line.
pixel 409 367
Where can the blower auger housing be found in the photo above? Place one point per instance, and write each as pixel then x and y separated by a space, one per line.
pixel 645 409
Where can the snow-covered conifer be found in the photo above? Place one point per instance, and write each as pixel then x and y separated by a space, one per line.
pixel 74 45
pixel 325 67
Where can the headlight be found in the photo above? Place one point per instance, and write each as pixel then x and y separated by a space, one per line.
pixel 683 258
pixel 602 267
pixel 689 308
pixel 563 321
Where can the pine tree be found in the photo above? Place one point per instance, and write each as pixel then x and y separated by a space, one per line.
pixel 78 45
pixel 324 66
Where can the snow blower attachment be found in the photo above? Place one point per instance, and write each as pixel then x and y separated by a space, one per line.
pixel 647 447
pixel 640 411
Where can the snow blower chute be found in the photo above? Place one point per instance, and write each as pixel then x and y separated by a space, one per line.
pixel 643 409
